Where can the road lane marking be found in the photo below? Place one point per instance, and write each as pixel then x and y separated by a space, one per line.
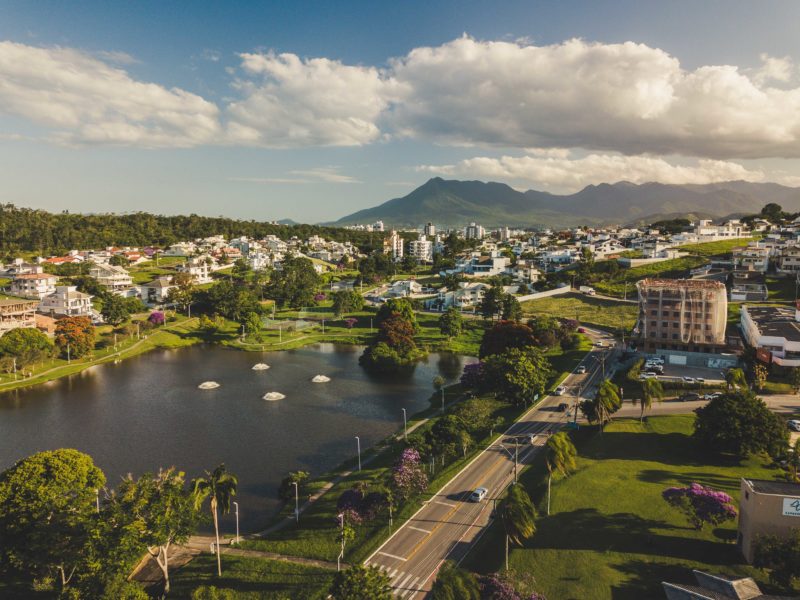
pixel 444 503
pixel 418 529
pixel 392 556
pixel 392 573
pixel 406 579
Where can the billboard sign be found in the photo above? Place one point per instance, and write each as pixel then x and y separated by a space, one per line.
pixel 791 507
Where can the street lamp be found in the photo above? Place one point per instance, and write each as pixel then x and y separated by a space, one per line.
pixel 405 425
pixel 97 499
pixel 358 445
pixel 341 554
pixel 236 507
pixel 296 502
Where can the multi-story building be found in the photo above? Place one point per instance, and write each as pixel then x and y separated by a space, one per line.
pixel 774 331
pixel 751 258
pixel 421 249
pixel 766 508
pixel 16 313
pixel 155 292
pixel 394 245
pixel 474 231
pixel 114 278
pixel 199 267
pixel 429 230
pixel 688 315
pixel 788 260
pixel 34 285
pixel 67 301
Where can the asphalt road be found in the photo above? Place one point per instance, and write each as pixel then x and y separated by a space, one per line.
pixel 447 525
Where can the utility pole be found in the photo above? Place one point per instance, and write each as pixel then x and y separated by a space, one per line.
pixel 296 503
pixel 405 425
pixel 358 446
pixel 516 456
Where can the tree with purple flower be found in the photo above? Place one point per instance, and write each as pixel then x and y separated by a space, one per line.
pixel 701 504
pixel 350 322
pixel 408 478
pixel 157 318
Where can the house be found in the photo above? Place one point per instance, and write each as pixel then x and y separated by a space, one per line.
pixel 748 286
pixel 403 288
pixel 181 249
pixel 34 285
pixel 766 508
pixel 20 267
pixel 774 331
pixel 199 267
pixel 155 292
pixel 113 278
pixel 751 258
pixel 788 260
pixel 467 295
pixel 479 265
pixel 524 272
pixel 715 587
pixel 67 301
pixel 16 313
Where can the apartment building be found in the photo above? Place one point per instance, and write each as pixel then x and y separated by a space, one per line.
pixel 16 313
pixel 473 231
pixel 421 249
pixel 688 315
pixel 33 285
pixel 394 245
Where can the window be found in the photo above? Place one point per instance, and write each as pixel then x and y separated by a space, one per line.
pixel 664 324
pixel 674 336
pixel 654 313
pixel 677 313
pixel 665 313
pixel 664 336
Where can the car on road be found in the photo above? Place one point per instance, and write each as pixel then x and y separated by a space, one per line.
pixel 559 391
pixel 643 376
pixel 687 379
pixel 658 369
pixel 581 330
pixel 478 495
pixel 580 370
pixel 525 438
pixel 711 396
pixel 793 424
pixel 690 397
pixel 600 344
pixel 563 407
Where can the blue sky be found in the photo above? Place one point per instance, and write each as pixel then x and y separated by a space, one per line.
pixel 311 110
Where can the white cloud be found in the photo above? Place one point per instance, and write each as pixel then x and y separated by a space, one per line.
pixel 84 100
pixel 774 68
pixel 315 175
pixel 317 102
pixel 564 174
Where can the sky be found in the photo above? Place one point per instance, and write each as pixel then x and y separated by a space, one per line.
pixel 313 110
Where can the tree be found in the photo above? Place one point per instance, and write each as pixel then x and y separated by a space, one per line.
pixel 231 301
pixel 475 414
pixel 451 323
pixel 518 514
pixel 701 504
pixel 183 293
pixel 47 512
pixel 651 390
pixel 453 583
pixel 605 403
pixel 75 334
pixel 795 379
pixel 361 583
pixel 161 509
pixel 26 345
pixel 759 375
pixel 511 310
pixel 740 423
pixel 119 260
pixel 735 378
pixel 781 555
pixel 561 454
pixel 772 212
pixel 793 459
pixel 220 486
pixel 295 283
pixel 347 301
pixel 408 478
pixel 504 335
pixel 286 489
pixel 395 306
pixel 252 323
pixel 517 375
pixel 491 304
pixel 114 309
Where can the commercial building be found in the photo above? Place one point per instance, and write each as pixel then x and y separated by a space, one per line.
pixel 34 285
pixel 774 331
pixel 16 313
pixel 688 315
pixel 766 508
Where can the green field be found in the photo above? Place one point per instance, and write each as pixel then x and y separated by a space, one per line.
pixel 671 269
pixel 610 534
pixel 588 310
pixel 721 248
pixel 251 578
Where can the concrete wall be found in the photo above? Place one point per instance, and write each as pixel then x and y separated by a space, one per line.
pixel 556 292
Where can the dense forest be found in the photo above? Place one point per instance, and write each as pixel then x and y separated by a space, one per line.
pixel 42 232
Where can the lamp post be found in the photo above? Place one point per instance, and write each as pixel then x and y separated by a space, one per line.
pixel 97 499
pixel 15 368
pixel 69 361
pixel 405 425
pixel 296 502
pixel 341 554
pixel 236 507
pixel 358 446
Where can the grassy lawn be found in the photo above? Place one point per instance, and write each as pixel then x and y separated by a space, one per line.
pixel 672 269
pixel 588 310
pixel 252 578
pixel 721 248
pixel 781 289
pixel 610 534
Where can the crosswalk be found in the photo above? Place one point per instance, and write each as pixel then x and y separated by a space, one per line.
pixel 404 585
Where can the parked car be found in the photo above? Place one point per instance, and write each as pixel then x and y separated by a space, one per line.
pixel 699 379
pixel 643 376
pixel 793 424
pixel 580 370
pixel 559 391
pixel 711 396
pixel 478 495
pixel 690 397
pixel 563 407
pixel 687 379
pixel 581 330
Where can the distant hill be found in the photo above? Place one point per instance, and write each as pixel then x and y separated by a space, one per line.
pixel 454 203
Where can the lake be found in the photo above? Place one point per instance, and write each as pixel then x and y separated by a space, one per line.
pixel 146 412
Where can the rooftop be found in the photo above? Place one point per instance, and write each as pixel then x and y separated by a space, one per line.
pixel 693 284
pixel 35 276
pixel 775 321
pixel 777 488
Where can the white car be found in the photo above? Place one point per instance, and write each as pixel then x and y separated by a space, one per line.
pixel 478 495
pixel 559 391
pixel 687 379
pixel 580 370
pixel 794 425
pixel 643 376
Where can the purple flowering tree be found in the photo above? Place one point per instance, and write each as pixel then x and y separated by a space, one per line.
pixel 408 478
pixel 350 321
pixel 701 504
pixel 319 297
pixel 472 376
pixel 497 587
pixel 157 318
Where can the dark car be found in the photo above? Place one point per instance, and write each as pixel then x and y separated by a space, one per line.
pixel 690 397
pixel 563 407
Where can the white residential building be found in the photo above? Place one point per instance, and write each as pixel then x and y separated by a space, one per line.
pixel 115 279
pixel 34 285
pixel 181 249
pixel 706 231
pixel 155 292
pixel 199 267
pixel 751 259
pixel 774 331
pixel 473 231
pixel 421 249
pixel 429 230
pixel 67 301
pixel 394 245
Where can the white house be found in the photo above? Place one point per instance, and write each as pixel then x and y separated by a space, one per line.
pixel 114 278
pixel 466 296
pixel 198 267
pixel 403 288
pixel 34 285
pixel 67 301
pixel 155 292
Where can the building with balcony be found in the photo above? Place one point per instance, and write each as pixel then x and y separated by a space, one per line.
pixel 199 267
pixel 113 278
pixel 751 258
pixel 155 292
pixel 688 315
pixel 67 301
pixel 394 245
pixel 748 286
pixel 473 231
pixel 421 249
pixel 34 285
pixel 16 313
pixel 774 331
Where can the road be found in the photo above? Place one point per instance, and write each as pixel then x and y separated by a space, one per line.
pixel 447 525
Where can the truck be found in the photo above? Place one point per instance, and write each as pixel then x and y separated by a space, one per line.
pixel 588 290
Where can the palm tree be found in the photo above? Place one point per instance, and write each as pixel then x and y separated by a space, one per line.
pixel 735 378
pixel 651 390
pixel 220 486
pixel 519 515
pixel 793 459
pixel 561 455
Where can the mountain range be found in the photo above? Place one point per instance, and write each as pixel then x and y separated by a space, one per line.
pixel 453 203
